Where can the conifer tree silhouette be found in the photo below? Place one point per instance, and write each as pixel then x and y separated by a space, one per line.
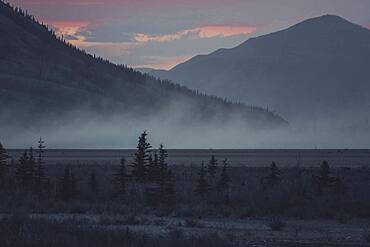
pixel 40 170
pixel 201 188
pixel 3 161
pixel 21 169
pixel 141 159
pixel 212 166
pixel 166 182
pixel 25 170
pixel 223 184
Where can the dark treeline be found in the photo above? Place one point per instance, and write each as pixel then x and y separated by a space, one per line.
pixel 212 189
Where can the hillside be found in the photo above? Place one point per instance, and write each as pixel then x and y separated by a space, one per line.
pixel 315 70
pixel 46 81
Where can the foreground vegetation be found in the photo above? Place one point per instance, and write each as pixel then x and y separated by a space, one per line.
pixel 38 200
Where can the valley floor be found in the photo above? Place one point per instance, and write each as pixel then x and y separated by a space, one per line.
pixel 231 232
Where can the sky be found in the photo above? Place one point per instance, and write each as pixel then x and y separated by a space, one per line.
pixel 162 33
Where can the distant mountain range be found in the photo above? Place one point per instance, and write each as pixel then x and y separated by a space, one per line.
pixel 47 82
pixel 316 71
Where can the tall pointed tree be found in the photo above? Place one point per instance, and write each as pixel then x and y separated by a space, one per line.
pixel 165 176
pixel 212 166
pixel 25 170
pixel 274 176
pixel 224 182
pixel 323 179
pixel 140 164
pixel 3 160
pixel 40 170
pixel 202 185
pixel 31 168
pixel 21 169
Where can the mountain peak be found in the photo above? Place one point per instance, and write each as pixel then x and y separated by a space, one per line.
pixel 333 22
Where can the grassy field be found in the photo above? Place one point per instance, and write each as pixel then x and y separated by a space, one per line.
pixel 292 210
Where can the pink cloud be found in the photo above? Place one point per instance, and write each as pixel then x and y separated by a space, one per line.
pixel 66 27
pixel 209 31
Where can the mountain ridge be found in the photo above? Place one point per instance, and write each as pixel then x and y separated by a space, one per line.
pixel 318 54
pixel 44 78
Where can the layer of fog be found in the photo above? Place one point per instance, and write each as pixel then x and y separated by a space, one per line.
pixel 80 131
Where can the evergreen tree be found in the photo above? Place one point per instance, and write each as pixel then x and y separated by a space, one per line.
pixel 40 171
pixel 202 184
pixel 140 164
pixel 323 179
pixel 21 169
pixel 93 183
pixel 25 170
pixel 119 178
pixel 166 182
pixel 324 174
pixel 275 176
pixel 3 160
pixel 212 166
pixel 152 168
pixel 162 190
pixel 223 184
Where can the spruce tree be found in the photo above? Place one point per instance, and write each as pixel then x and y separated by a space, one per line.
pixel 201 188
pixel 324 174
pixel 323 179
pixel 25 170
pixel 212 166
pixel 3 161
pixel 40 171
pixel 21 169
pixel 152 166
pixel 31 168
pixel 224 182
pixel 166 182
pixel 274 177
pixel 119 179
pixel 140 164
